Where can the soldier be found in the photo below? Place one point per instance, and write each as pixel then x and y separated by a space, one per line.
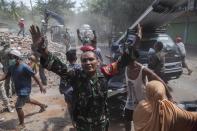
pixel 67 40
pixel 3 94
pixel 5 89
pixel 41 69
pixel 4 59
pixel 90 111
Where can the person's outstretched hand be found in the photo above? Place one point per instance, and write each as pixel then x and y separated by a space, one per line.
pixel 38 39
pixel 43 90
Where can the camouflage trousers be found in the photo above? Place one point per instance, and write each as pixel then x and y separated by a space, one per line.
pixel 9 87
pixel 90 127
pixel 3 95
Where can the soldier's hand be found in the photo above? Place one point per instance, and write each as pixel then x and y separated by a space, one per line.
pixel 37 38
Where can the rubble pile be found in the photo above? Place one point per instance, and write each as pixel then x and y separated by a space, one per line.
pixel 24 45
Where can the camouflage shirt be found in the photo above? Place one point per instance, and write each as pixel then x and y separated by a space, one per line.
pixel 4 59
pixel 89 94
pixel 156 62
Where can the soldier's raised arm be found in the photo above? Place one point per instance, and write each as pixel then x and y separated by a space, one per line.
pixel 47 59
pixel 38 40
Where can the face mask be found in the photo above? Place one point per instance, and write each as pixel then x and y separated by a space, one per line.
pixel 12 62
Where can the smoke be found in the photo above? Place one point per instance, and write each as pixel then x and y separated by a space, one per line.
pixel 98 23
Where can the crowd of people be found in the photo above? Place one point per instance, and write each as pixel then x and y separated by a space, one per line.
pixel 149 103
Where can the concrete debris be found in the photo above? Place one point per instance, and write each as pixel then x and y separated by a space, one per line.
pixel 24 45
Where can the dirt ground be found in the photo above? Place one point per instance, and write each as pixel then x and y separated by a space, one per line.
pixel 55 118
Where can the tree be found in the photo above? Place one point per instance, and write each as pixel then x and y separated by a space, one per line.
pixel 3 5
pixel 14 11
pixel 56 6
pixel 121 13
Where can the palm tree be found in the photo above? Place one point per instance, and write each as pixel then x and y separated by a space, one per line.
pixel 14 11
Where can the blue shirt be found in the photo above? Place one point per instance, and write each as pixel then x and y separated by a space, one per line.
pixel 21 76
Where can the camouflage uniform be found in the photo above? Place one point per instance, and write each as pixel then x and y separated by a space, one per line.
pixel 2 90
pixel 4 59
pixel 90 111
pixel 4 55
pixel 67 90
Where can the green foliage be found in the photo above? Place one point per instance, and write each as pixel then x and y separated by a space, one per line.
pixel 14 11
pixel 11 10
pixel 58 6
pixel 122 13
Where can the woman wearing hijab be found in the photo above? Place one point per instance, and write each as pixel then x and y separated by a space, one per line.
pixel 156 113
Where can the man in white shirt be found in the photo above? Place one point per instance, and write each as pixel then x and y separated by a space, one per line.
pixel 181 48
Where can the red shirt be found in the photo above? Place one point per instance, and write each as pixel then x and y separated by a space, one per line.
pixel 21 24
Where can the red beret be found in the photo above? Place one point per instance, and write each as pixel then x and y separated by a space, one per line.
pixel 87 48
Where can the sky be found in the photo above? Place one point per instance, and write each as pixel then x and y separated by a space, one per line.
pixel 27 2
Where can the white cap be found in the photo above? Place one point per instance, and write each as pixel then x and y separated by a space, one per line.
pixel 16 53
pixel 43 21
pixel 22 18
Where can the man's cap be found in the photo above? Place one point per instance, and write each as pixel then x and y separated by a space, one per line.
pixel 16 53
pixel 43 21
pixel 22 18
